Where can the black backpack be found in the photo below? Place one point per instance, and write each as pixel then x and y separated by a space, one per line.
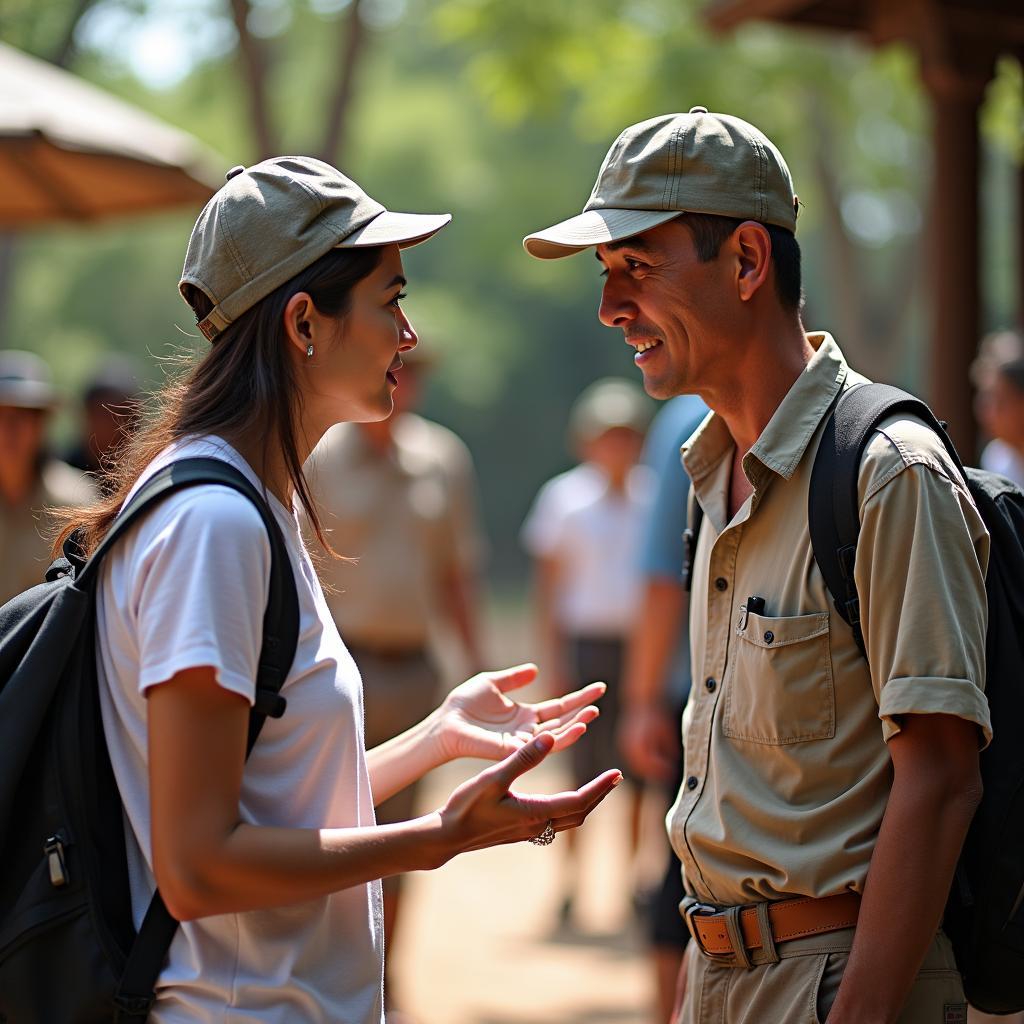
pixel 984 915
pixel 69 952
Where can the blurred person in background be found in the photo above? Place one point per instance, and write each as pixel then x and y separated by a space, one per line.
pixel 581 533
pixel 656 682
pixel 398 497
pixel 30 480
pixel 998 374
pixel 110 406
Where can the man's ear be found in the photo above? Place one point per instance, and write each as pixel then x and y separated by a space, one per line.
pixel 753 249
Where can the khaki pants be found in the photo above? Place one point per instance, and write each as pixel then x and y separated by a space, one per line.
pixel 802 986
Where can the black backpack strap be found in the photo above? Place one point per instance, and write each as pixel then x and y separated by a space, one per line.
pixel 833 505
pixel 135 993
pixel 694 518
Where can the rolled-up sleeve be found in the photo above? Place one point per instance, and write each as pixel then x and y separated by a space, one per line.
pixel 921 562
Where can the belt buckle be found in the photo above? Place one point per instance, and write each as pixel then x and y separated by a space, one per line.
pixel 697 909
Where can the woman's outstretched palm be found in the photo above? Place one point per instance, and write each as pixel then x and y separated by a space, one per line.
pixel 479 720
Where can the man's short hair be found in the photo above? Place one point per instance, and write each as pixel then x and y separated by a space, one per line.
pixel 710 231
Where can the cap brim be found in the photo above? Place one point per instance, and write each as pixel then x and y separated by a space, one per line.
pixel 402 229
pixel 29 395
pixel 594 227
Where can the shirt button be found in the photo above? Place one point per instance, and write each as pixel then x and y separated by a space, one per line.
pixel 710 684
pixel 691 782
pixel 769 637
pixel 721 583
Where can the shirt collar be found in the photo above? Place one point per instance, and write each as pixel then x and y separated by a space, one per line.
pixel 785 439
pixel 783 442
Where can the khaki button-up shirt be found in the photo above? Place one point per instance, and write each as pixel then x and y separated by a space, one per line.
pixel 407 517
pixel 787 773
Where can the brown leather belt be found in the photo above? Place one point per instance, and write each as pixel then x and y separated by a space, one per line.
pixel 786 919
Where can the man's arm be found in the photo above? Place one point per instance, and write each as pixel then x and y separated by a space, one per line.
pixel 552 640
pixel 935 791
pixel 649 732
pixel 460 568
pixel 459 596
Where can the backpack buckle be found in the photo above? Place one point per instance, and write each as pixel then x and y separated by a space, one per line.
pixel 269 703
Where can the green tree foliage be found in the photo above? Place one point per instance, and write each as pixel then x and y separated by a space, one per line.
pixel 501 113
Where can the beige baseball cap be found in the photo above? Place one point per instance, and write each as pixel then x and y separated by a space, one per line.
pixel 677 163
pixel 606 404
pixel 25 381
pixel 270 221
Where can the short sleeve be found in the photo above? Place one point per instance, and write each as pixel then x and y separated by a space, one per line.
pixel 200 582
pixel 920 570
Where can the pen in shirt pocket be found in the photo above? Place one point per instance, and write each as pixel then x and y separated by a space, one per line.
pixel 753 606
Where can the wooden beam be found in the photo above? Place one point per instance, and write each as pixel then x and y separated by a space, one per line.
pixel 725 15
pixel 1005 28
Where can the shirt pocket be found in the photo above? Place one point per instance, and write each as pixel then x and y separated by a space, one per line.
pixel 780 689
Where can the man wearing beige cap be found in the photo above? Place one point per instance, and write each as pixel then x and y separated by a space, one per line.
pixel 826 795
pixel 31 481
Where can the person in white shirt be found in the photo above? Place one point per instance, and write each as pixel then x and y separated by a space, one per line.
pixel 273 864
pixel 582 532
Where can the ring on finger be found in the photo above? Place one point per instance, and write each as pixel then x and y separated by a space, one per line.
pixel 546 837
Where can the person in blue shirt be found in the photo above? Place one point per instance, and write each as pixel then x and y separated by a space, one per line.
pixel 657 681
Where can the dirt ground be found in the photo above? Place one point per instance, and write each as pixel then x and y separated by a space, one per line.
pixel 480 942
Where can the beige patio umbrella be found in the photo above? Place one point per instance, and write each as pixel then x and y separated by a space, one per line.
pixel 70 151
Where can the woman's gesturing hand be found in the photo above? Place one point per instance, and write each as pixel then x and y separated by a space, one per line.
pixel 485 811
pixel 477 719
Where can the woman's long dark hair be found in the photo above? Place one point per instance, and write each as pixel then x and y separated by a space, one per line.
pixel 243 384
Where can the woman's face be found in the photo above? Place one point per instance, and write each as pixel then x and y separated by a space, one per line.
pixel 354 374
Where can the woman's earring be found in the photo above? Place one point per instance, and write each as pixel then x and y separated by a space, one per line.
pixel 309 351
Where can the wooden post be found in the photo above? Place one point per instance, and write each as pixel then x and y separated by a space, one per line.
pixel 954 243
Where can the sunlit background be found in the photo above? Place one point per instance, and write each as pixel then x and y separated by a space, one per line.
pixel 501 112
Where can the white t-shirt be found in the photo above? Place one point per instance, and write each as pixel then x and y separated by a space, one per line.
pixel 187 587
pixel 594 534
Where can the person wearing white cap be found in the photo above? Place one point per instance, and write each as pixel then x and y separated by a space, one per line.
pixel 827 786
pixel 31 480
pixel 580 534
pixel 272 864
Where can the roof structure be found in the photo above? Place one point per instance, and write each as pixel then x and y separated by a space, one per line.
pixel 957 43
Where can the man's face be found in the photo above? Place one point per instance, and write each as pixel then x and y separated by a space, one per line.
pixel 616 450
pixel 21 436
pixel 1000 408
pixel 673 309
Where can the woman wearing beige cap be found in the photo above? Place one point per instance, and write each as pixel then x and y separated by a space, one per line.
pixel 272 864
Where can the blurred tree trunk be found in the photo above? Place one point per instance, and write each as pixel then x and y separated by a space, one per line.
pixel 256 60
pixel 255 63
pixel 351 42
pixel 65 50
pixel 869 323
